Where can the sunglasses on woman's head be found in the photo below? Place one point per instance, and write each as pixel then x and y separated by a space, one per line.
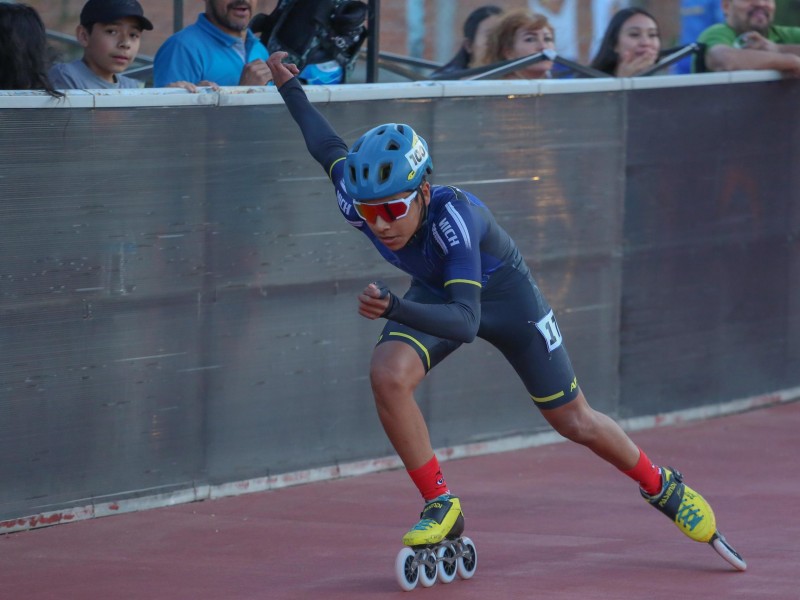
pixel 388 211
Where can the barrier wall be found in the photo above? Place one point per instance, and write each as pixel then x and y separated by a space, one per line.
pixel 177 288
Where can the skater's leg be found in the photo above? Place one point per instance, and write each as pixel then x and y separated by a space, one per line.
pixel 395 372
pixel 580 423
pixel 664 488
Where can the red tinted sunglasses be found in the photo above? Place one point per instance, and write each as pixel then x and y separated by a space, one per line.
pixel 388 211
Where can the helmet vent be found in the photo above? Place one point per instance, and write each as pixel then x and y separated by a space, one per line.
pixel 385 172
pixel 393 145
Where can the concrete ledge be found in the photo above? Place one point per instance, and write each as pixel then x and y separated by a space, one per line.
pixel 261 95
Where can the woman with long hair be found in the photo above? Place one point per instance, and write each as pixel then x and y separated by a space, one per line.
pixel 23 50
pixel 631 44
pixel 476 31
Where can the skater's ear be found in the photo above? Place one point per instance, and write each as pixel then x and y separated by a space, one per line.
pixel 425 191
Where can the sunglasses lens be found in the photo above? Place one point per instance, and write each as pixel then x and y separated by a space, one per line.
pixel 388 211
pixel 397 209
pixel 370 212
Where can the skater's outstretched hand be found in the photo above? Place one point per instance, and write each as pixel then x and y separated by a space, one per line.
pixel 281 72
pixel 374 301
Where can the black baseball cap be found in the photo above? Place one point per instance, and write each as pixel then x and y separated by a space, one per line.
pixel 108 11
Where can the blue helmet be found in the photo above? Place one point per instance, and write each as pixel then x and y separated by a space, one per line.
pixel 387 160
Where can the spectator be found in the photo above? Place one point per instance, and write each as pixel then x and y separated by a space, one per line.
pixel 749 39
pixel 521 33
pixel 631 44
pixel 696 16
pixel 110 32
pixel 476 32
pixel 219 49
pixel 565 16
pixel 23 50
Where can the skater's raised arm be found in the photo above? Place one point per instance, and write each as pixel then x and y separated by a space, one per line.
pixel 323 143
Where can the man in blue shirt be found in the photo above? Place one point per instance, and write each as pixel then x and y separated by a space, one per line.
pixel 696 17
pixel 218 49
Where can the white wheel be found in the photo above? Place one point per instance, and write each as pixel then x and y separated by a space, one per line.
pixel 427 569
pixel 726 551
pixel 405 570
pixel 447 563
pixel 469 561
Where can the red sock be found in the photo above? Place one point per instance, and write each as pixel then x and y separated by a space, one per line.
pixel 429 480
pixel 646 474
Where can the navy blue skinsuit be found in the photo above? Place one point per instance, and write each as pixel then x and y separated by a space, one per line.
pixel 468 277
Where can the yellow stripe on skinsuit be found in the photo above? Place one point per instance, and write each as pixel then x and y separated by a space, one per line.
pixel 416 341
pixel 478 283
pixel 548 398
pixel 330 171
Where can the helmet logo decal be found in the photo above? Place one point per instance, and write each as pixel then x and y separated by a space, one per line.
pixel 417 156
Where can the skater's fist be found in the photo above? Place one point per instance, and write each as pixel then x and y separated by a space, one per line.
pixel 374 301
pixel 281 72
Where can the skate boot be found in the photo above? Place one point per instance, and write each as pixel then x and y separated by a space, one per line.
pixel 692 514
pixel 434 549
pixel 685 507
pixel 441 518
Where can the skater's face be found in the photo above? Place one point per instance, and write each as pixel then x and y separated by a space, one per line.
pixel 231 16
pixel 388 219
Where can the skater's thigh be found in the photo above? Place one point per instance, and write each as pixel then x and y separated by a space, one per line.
pixel 523 327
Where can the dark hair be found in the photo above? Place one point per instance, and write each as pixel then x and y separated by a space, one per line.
pixel 23 50
pixel 606 59
pixel 463 57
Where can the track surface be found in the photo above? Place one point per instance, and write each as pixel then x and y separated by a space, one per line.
pixel 549 522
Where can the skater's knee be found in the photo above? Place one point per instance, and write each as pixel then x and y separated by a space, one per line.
pixel 577 429
pixel 574 421
pixel 396 371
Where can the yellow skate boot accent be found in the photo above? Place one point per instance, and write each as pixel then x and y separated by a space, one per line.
pixel 685 507
pixel 441 518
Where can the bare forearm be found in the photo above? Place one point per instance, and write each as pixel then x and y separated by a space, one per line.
pixel 723 58
pixel 789 49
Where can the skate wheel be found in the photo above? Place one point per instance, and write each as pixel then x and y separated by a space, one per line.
pixel 726 551
pixel 447 563
pixel 405 569
pixel 468 562
pixel 427 569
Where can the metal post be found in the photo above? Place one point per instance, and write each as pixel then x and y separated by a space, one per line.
pixel 373 43
pixel 445 18
pixel 415 28
pixel 177 15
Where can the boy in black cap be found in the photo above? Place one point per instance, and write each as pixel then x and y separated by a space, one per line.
pixel 110 32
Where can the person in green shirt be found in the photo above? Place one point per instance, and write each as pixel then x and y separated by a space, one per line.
pixel 749 39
